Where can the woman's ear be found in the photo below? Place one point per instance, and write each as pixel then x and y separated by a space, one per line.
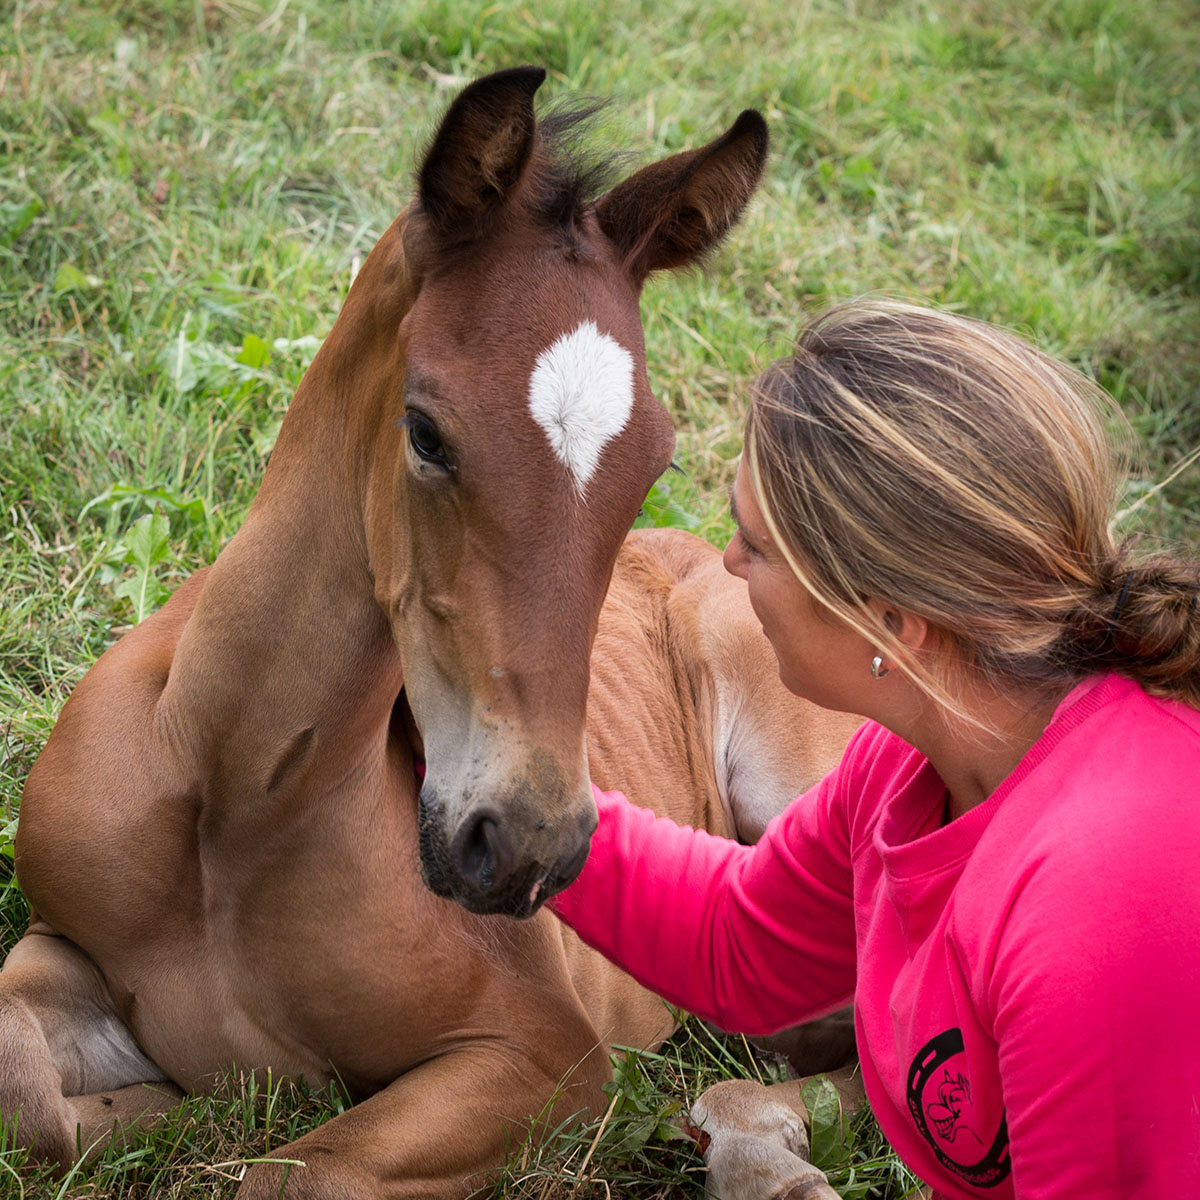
pixel 914 632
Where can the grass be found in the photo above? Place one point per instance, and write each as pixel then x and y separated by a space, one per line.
pixel 186 187
pixel 200 1149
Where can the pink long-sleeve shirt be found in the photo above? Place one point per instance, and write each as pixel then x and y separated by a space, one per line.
pixel 1026 979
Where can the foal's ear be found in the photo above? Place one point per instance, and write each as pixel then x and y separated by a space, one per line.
pixel 480 150
pixel 672 212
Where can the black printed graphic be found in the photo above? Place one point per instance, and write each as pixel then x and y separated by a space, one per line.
pixel 946 1111
pixel 940 1100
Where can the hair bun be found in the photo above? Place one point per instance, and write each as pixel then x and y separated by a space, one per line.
pixel 1154 623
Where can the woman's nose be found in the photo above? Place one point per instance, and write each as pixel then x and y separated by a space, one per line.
pixel 734 557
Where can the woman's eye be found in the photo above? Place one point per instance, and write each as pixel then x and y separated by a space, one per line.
pixel 423 438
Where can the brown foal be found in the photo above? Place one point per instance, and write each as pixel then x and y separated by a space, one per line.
pixel 284 822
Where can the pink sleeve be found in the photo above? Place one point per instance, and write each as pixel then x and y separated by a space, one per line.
pixel 753 938
pixel 1096 998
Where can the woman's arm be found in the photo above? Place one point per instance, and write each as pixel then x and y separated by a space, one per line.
pixel 753 938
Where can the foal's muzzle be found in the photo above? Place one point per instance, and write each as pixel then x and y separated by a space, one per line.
pixel 497 860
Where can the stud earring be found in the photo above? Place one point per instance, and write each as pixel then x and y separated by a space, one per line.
pixel 878 670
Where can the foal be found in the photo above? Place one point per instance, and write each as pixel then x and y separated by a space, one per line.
pixel 244 840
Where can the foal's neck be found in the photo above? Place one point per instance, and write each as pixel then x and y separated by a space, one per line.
pixel 287 652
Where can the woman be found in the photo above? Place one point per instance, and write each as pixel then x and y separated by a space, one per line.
pixel 1004 870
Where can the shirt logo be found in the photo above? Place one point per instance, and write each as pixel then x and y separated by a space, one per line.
pixel 939 1095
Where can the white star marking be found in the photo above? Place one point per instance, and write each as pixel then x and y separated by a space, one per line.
pixel 581 394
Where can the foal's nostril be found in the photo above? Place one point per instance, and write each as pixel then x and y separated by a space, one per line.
pixel 481 851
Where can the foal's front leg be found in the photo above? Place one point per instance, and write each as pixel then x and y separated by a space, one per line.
pixel 69 1068
pixel 438 1131
pixel 755 1143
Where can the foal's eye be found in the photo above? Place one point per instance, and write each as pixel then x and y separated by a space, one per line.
pixel 424 439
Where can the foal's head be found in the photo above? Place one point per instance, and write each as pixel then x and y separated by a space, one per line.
pixel 516 436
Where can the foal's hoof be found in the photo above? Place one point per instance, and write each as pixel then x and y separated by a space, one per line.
pixel 757 1146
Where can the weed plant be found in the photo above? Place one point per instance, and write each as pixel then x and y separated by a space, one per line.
pixel 187 187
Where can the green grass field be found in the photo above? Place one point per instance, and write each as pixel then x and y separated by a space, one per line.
pixel 186 189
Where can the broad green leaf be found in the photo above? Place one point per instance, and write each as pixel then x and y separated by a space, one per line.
pixel 119 497
pixel 110 124
pixel 71 279
pixel 8 834
pixel 827 1131
pixel 16 218
pixel 145 546
pixel 660 511
pixel 255 352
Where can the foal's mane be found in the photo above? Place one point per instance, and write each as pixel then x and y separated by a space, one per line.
pixel 564 173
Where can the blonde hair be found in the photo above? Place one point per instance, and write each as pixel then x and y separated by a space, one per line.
pixel 951 469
